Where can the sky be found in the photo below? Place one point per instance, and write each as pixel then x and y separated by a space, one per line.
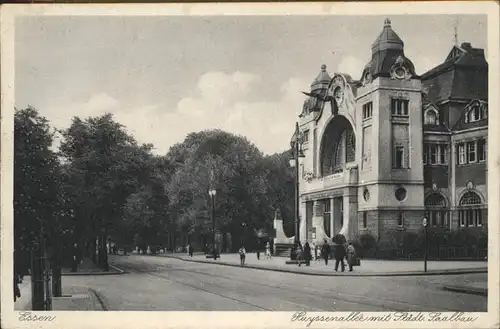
pixel 164 77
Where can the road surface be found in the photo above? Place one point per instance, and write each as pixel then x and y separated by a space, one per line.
pixel 166 284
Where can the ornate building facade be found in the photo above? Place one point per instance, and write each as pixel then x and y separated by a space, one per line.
pixel 384 151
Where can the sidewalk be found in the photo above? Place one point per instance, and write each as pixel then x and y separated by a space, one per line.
pixel 74 298
pixel 367 268
pixel 87 267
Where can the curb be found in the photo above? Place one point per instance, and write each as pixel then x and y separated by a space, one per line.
pixel 116 268
pixel 415 273
pixel 99 298
pixel 467 290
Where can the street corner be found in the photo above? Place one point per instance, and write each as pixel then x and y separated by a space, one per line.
pixel 79 299
pixel 480 289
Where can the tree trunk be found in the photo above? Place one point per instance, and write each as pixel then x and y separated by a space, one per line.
pixel 56 271
pixel 37 280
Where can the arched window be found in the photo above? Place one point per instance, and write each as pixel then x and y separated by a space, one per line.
pixel 431 117
pixel 436 212
pixel 338 146
pixel 470 214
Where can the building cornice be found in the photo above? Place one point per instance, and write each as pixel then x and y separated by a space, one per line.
pixel 370 91
pixel 468 130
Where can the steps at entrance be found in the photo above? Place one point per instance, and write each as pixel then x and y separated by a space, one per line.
pixel 283 250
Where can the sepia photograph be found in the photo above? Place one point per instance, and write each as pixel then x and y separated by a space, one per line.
pixel 298 163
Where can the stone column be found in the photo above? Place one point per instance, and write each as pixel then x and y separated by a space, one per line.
pixel 350 213
pixel 332 226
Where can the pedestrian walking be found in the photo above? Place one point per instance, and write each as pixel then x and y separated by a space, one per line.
pixel 307 254
pixel 315 251
pixel 325 251
pixel 339 251
pixel 268 250
pixel 258 254
pixel 191 250
pixel 351 256
pixel 242 253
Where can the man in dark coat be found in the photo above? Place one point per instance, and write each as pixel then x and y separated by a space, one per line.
pixel 325 251
pixel 340 254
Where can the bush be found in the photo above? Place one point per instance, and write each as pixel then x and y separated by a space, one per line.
pixel 367 241
pixel 339 238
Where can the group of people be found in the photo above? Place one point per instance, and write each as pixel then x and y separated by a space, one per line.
pixel 341 252
pixel 242 252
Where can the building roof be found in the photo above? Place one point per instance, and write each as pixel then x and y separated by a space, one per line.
pixel 463 75
pixel 387 39
pixel 322 79
pixel 386 50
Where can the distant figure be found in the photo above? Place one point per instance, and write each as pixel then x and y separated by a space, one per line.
pixel 340 254
pixel 315 250
pixel 268 250
pixel 75 260
pixel 351 256
pixel 299 252
pixel 307 254
pixel 325 251
pixel 242 253
pixel 190 250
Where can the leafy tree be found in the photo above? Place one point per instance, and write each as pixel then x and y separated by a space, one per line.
pixel 106 165
pixel 281 188
pixel 231 165
pixel 36 182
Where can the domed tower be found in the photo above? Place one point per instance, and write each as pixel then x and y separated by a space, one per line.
pixel 389 105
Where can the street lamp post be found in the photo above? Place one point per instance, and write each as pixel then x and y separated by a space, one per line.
pixel 297 154
pixel 424 223
pixel 212 194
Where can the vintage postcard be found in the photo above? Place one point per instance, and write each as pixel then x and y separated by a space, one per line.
pixel 299 165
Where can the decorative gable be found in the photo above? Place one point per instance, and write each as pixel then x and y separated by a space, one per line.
pixel 455 53
pixel 431 115
pixel 476 110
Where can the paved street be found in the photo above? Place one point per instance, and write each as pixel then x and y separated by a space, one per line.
pixel 166 284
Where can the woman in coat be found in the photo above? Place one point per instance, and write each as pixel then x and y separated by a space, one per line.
pixel 307 254
pixel 351 256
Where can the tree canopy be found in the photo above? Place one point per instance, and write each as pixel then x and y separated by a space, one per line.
pixel 106 186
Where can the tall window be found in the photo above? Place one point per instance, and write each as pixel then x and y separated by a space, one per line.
pixel 367 110
pixel 365 219
pixel 398 157
pixel 341 206
pixel 399 107
pixel 435 210
pixel 461 154
pixel 481 150
pixel 401 219
pixel 435 154
pixel 470 213
pixel 472 151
